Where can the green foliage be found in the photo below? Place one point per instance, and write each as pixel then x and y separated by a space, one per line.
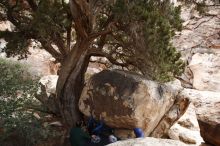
pixel 17 44
pixel 140 37
pixel 149 27
pixel 50 19
pixel 17 90
pixel 47 23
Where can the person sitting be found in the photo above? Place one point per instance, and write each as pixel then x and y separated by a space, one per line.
pixel 96 134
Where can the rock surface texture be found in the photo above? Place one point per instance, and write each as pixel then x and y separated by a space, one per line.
pixel 207 105
pixel 199 44
pixel 125 100
pixel 148 141
pixel 187 128
pixel 206 71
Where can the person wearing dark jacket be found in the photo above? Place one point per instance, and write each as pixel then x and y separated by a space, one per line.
pixel 78 137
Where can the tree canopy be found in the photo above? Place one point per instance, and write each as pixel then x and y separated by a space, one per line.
pixel 132 34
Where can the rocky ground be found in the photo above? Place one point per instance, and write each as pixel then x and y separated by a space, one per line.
pixel 199 43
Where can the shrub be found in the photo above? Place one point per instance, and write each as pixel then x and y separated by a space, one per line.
pixel 17 104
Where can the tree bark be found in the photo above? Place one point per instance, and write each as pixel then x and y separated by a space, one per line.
pixel 71 82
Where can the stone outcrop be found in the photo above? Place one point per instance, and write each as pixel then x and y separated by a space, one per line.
pixel 208 114
pixel 199 44
pixel 40 62
pixel 187 128
pixel 207 105
pixel 125 100
pixel 206 71
pixel 200 33
pixel 148 141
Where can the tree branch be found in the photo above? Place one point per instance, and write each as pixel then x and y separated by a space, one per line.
pixel 61 45
pixel 48 47
pixel 81 17
pixel 100 33
pixel 99 53
pixel 68 37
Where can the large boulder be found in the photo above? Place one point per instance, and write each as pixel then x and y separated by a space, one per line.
pixel 207 105
pixel 209 122
pixel 148 141
pixel 125 100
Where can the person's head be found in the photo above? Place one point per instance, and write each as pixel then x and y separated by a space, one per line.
pixel 138 132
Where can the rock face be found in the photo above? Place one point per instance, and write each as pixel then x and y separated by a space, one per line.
pixel 210 130
pixel 40 62
pixel 200 33
pixel 187 128
pixel 209 120
pixel 206 71
pixel 125 100
pixel 199 44
pixel 148 141
pixel 207 105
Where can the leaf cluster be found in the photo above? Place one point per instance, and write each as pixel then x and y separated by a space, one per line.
pixel 142 37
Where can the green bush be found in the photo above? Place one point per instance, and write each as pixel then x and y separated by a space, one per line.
pixel 17 90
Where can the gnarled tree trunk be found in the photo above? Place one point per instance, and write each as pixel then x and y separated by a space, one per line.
pixel 71 82
pixel 71 75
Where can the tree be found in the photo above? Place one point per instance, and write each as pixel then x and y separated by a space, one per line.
pixel 129 33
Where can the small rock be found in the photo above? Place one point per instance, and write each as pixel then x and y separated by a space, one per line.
pixel 49 82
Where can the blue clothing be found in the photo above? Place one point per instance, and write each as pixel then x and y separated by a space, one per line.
pixel 138 132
